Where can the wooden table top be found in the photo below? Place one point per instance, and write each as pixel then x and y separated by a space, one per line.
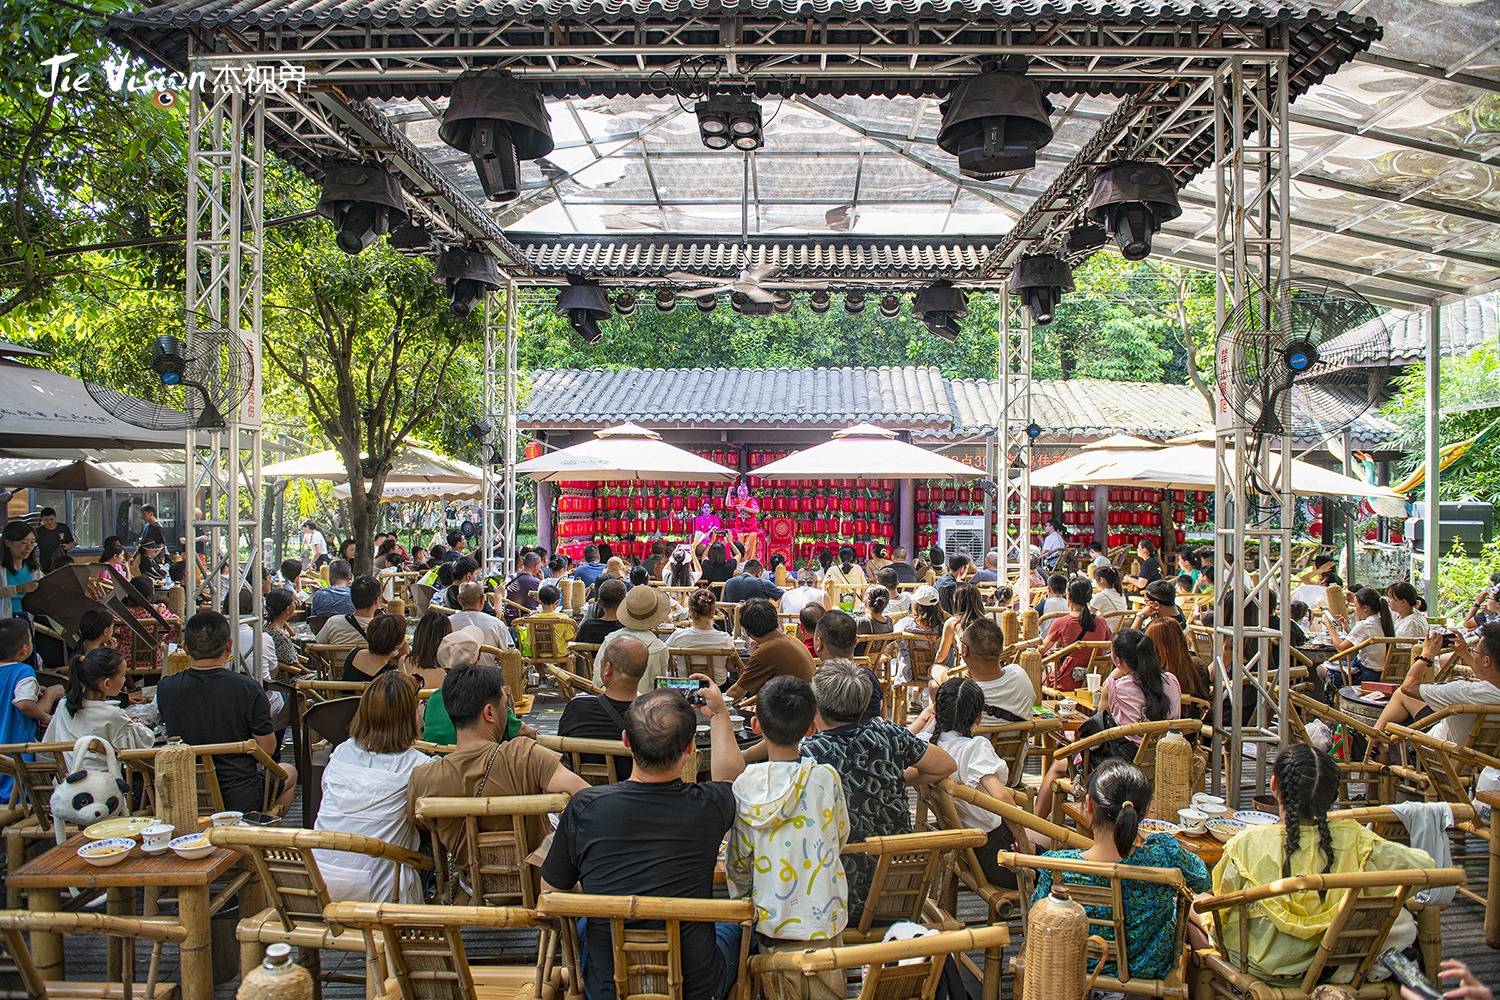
pixel 62 868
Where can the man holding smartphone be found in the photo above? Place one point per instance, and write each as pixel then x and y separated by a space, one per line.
pixel 1416 697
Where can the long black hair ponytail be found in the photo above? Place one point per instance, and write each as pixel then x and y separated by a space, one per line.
pixel 1080 592
pixel 956 707
pixel 1369 598
pixel 1139 653
pixel 1307 783
pixel 87 673
pixel 1121 794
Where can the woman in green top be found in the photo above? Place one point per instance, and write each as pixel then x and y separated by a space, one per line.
pixel 1189 563
pixel 453 649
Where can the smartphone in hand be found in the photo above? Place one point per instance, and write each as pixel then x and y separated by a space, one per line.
pixel 1405 972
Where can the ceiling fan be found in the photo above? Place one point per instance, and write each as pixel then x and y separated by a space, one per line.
pixel 751 280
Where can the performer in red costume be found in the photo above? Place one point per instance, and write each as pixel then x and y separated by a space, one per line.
pixel 745 527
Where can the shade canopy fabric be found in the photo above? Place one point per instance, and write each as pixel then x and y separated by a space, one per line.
pixel 414 463
pixel 625 452
pixel 1191 467
pixel 46 409
pixel 399 492
pixel 865 451
pixel 44 475
pixel 1126 442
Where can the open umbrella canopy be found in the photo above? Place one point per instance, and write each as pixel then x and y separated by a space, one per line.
pixel 1121 442
pixel 46 409
pixel 413 464
pixel 625 452
pixel 51 475
pixel 1093 458
pixel 397 492
pixel 865 451
pixel 1191 467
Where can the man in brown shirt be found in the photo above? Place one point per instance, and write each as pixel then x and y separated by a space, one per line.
pixel 773 653
pixel 475 699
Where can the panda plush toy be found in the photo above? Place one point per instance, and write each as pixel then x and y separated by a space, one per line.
pixel 92 790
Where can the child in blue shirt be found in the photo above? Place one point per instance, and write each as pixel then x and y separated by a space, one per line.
pixel 28 708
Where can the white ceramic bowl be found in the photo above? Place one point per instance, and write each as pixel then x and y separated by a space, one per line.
pixel 1150 826
pixel 1192 819
pixel 191 846
pixel 1200 798
pixel 1225 829
pixel 103 853
pixel 1213 810
pixel 1254 817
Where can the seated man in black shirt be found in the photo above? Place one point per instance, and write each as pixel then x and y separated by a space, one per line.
pixel 602 717
pixel 209 704
pixel 655 835
pixel 750 583
pixel 606 605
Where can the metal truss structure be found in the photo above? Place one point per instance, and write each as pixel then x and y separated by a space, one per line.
pixel 1013 451
pixel 499 514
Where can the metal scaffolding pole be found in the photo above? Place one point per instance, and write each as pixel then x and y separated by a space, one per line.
pixel 1432 547
pixel 491 516
pixel 512 336
pixel 1013 469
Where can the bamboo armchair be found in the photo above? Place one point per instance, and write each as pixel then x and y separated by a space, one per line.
pixel 602 762
pixel 492 869
pixel 647 964
pixel 1099 649
pixel 1356 937
pixel 581 657
pixel 569 684
pixel 210 799
pixel 1445 772
pixel 1014 742
pixel 906 969
pixel 17 968
pixel 326 659
pixel 549 638
pixel 729 615
pixel 425 953
pixel 921 656
pixel 1398 654
pixel 289 874
pixel 1110 897
pixel 1482 741
pixel 30 800
pixel 715 663
pixel 904 886
pixel 1145 759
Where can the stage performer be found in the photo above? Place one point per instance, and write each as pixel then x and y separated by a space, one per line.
pixel 706 525
pixel 745 528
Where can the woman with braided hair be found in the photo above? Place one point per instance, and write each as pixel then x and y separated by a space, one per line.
pixel 1284 931
pixel 1119 795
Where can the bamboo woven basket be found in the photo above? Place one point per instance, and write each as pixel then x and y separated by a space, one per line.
pixel 1031 662
pixel 1174 777
pixel 1056 949
pixel 1010 627
pixel 1030 624
pixel 177 788
pixel 277 978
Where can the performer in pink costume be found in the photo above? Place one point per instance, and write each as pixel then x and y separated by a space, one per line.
pixel 706 524
pixel 745 527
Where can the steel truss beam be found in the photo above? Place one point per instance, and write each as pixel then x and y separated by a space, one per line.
pixel 1013 451
pixel 225 240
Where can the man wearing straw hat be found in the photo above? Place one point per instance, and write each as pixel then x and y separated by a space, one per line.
pixel 643 609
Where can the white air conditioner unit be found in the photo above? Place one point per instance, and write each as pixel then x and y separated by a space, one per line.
pixel 964 533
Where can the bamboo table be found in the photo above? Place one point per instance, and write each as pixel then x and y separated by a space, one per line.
pixel 44 878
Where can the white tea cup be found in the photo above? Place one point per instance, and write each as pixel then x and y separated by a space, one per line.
pixel 154 838
pixel 1067 706
pixel 1193 820
pixel 228 817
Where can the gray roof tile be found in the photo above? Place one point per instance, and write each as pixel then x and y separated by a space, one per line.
pixel 1466 325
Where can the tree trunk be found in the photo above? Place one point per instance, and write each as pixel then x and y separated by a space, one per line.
pixel 1190 359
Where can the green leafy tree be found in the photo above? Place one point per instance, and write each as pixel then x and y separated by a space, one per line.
pixel 1469 401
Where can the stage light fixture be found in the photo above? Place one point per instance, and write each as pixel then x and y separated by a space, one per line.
pixel 467 273
pixel 1040 282
pixel 854 302
pixel 1086 238
pixel 412 240
pixel 499 122
pixel 994 123
pixel 169 359
pixel 586 306
pixel 625 303
pixel 362 200
pixel 819 301
pixel 890 305
pixel 940 306
pixel 666 300
pixel 783 301
pixel 726 120
pixel 1132 200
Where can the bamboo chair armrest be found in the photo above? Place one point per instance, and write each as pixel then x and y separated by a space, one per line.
pixel 436 807
pixel 1463 812
pixel 374 914
pixel 328 840
pixel 1135 728
pixel 211 749
pixel 812 960
pixel 434 749
pixel 1138 873
pixel 1409 877
pixel 63 922
pixel 578 904
pixel 1469 755
pixel 1330 714
pixel 271 764
pixel 934 840
pixel 1014 815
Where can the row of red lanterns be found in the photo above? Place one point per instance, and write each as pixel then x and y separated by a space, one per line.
pixel 830 527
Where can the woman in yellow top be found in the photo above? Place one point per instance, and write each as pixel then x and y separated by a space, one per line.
pixel 1285 931
pixel 845 577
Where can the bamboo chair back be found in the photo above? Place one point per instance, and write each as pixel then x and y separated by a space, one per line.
pixel 497 841
pixel 647 962
pixel 907 867
pixel 1201 642
pixel 1398 654
pixel 210 799
pixel 728 617
pixel 1100 888
pixel 715 663
pixel 897 970
pixel 582 654
pixel 602 762
pixel 569 684
pixel 35 768
pixel 20 979
pixel 964 861
pixel 549 638
pixel 921 654
pixel 1356 937
pixel 1013 741
pixel 1448 768
pixel 326 659
pixel 425 949
pixel 1098 650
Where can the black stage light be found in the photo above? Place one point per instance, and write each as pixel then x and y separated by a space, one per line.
pixel 854 302
pixel 363 200
pixel 726 120
pixel 467 273
pixel 1041 282
pixel 499 122
pixel 940 306
pixel 1131 200
pixel 818 301
pixel 783 301
pixel 586 306
pixel 994 123
pixel 169 359
pixel 1086 238
pixel 412 240
pixel 890 305
pixel 666 300
pixel 625 303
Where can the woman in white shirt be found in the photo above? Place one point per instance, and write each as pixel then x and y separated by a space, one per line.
pixel 364 792
pixel 955 710
pixel 700 632
pixel 1372 619
pixel 1411 620
pixel 1108 597
pixel 87 709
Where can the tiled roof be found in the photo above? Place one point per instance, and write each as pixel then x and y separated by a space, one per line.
pixel 1465 325
pixel 917 399
pixel 852 257
pixel 899 398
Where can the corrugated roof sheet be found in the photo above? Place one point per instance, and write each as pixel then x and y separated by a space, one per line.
pixel 802 257
pixel 918 399
pixel 1465 325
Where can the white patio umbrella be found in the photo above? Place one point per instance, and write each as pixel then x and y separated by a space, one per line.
pixel 1090 460
pixel 1191 467
pixel 626 452
pixel 414 463
pixel 865 451
pixel 81 474
pixel 396 492
pixel 1122 442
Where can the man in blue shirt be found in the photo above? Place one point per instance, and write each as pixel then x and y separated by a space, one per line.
pixel 750 583
pixel 334 599
pixel 591 568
